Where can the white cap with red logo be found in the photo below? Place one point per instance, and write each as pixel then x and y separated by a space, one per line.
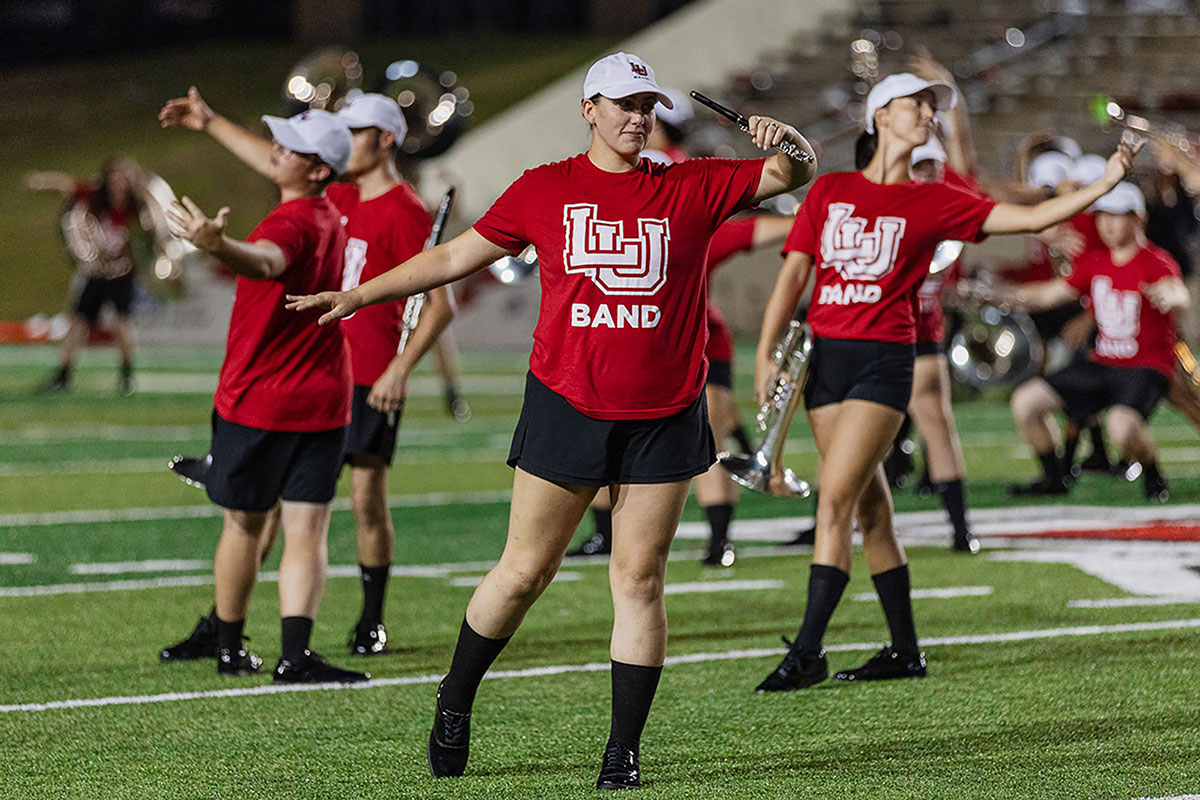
pixel 315 132
pixel 621 75
pixel 904 84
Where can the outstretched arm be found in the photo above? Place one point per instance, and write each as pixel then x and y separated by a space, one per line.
pixel 446 263
pixel 771 229
pixel 261 260
pixel 789 287
pixel 1037 296
pixel 1009 218
pixel 193 113
pixel 781 173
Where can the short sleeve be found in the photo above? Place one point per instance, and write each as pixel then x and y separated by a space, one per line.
pixel 962 214
pixel 734 236
pixel 504 224
pixel 726 184
pixel 804 236
pixel 291 235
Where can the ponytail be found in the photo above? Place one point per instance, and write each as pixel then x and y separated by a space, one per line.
pixel 864 148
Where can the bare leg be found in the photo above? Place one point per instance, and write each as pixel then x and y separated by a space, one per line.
pixel 1032 404
pixel 235 567
pixel 934 417
pixel 376 535
pixel 305 556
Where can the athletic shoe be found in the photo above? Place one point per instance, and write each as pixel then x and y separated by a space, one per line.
pixel 368 640
pixel 57 383
pixel 807 536
pixel 796 671
pixel 201 643
pixel 885 665
pixel 192 471
pixel 1155 486
pixel 1096 462
pixel 125 385
pixel 315 669
pixel 967 543
pixel 719 555
pixel 237 663
pixel 449 741
pixel 456 406
pixel 1043 485
pixel 619 768
pixel 598 545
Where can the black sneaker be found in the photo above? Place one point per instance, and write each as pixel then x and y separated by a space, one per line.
pixel 1155 486
pixel 619 768
pixel 449 741
pixel 237 663
pixel 315 669
pixel 966 543
pixel 1096 462
pixel 201 643
pixel 598 545
pixel 1043 485
pixel 720 554
pixel 885 665
pixel 57 383
pixel 456 406
pixel 807 536
pixel 125 385
pixel 368 640
pixel 192 471
pixel 796 671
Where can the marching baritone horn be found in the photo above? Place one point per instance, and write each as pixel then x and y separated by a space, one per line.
pixel 754 471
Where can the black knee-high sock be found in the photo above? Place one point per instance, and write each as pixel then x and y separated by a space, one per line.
pixel 472 656
pixel 374 585
pixel 296 633
pixel 603 519
pixel 229 632
pixel 719 517
pixel 739 436
pixel 954 498
pixel 633 690
pixel 825 587
pixel 895 594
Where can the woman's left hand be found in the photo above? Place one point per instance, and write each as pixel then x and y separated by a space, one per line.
pixel 187 221
pixel 767 132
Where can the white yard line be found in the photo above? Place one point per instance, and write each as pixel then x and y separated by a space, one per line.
pixel 944 593
pixel 475 580
pixel 1133 602
pixel 126 567
pixel 703 587
pixel 692 658
pixel 13 559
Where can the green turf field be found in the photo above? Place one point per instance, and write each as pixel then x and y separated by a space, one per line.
pixel 1033 693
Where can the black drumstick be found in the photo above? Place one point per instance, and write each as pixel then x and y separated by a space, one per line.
pixel 790 149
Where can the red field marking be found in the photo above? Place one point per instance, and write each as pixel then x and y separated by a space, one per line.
pixel 1150 532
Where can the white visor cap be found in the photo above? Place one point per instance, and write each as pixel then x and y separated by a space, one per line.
pixel 1049 170
pixel 317 133
pixel 375 111
pixel 1124 198
pixel 621 75
pixel 904 84
pixel 1089 169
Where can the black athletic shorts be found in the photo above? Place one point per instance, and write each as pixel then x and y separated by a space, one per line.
pixel 1087 388
pixel 1050 322
pixel 97 291
pixel 253 468
pixel 853 369
pixel 720 373
pixel 555 441
pixel 929 348
pixel 372 433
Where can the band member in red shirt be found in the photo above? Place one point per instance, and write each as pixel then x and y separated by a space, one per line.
pixel 869 237
pixel 1134 287
pixel 615 393
pixel 283 396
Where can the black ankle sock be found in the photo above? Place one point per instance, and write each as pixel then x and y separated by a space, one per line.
pixel 472 656
pixel 633 689
pixel 1097 434
pixel 603 519
pixel 739 436
pixel 374 585
pixel 895 595
pixel 297 631
pixel 1051 467
pixel 126 369
pixel 64 373
pixel 954 498
pixel 719 517
pixel 229 634
pixel 825 587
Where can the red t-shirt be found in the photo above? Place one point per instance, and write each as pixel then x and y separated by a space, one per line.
pixel 381 233
pixel 1039 266
pixel 871 245
pixel 621 257
pixel 282 371
pixel 1130 331
pixel 931 322
pixel 735 236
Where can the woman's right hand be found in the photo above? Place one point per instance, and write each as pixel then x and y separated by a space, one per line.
pixel 764 377
pixel 1121 160
pixel 340 304
pixel 189 112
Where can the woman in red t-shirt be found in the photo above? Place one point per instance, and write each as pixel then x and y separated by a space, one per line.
pixel 614 396
pixel 869 237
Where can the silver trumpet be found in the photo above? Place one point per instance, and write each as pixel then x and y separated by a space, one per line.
pixel 754 471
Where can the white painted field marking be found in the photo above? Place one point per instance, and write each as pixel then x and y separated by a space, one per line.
pixel 702 587
pixel 475 580
pixel 1132 602
pixel 12 559
pixel 944 593
pixel 1150 569
pixel 599 666
pixel 1172 797
pixel 125 567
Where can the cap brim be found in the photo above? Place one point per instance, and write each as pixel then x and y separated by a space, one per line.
pixel 631 88
pixel 947 97
pixel 283 133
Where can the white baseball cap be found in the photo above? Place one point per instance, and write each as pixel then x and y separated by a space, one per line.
pixel 904 84
pixel 621 75
pixel 375 111
pixel 315 132
pixel 1124 198
pixel 1089 169
pixel 680 111
pixel 932 150
pixel 1049 169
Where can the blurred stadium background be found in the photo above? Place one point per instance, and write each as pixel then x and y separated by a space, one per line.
pixel 1080 681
